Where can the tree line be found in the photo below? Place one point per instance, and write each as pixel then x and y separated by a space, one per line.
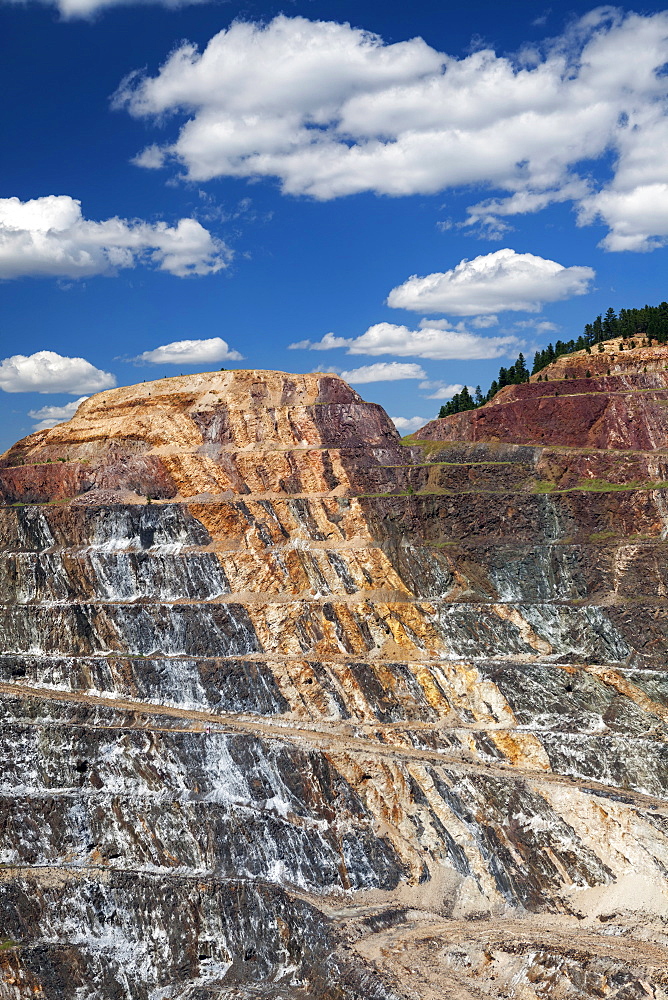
pixel 650 321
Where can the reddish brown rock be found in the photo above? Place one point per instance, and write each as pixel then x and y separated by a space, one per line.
pixel 625 409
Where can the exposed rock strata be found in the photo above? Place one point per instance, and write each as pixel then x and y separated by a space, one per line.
pixel 612 399
pixel 330 717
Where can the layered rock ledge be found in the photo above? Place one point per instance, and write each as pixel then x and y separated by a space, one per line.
pixel 612 398
pixel 294 709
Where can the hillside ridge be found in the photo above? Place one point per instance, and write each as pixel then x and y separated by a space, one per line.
pixel 611 398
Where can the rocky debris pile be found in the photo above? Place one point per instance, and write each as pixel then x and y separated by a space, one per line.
pixel 333 716
pixel 94 498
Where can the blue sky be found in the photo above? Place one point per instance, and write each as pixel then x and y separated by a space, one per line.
pixel 410 194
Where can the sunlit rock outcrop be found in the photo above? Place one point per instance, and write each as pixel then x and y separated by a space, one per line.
pixel 295 709
pixel 615 397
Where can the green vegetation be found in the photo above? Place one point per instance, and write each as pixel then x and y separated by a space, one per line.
pixel 603 486
pixel 649 323
pixel 540 486
pixel 599 486
pixel 432 465
pixel 514 375
pixel 544 486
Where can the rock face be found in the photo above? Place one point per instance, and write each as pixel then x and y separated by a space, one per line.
pixel 612 398
pixel 292 709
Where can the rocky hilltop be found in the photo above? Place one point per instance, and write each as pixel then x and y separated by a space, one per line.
pixel 294 709
pixel 614 397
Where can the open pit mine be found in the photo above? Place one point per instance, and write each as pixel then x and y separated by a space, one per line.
pixel 296 710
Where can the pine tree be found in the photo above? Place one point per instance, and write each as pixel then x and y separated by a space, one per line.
pixel 521 371
pixel 610 324
pixel 597 326
pixel 466 400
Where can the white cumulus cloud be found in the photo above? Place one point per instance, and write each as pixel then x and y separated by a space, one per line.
pixel 87 8
pixel 49 237
pixel 637 218
pixel 191 352
pixel 435 340
pixel 440 390
pixel 406 425
pixel 484 322
pixel 492 283
pixel 538 326
pixel 383 371
pixel 49 416
pixel 46 371
pixel 332 110
pixel 328 342
pixel 634 205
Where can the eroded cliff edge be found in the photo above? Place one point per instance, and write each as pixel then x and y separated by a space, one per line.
pixel 329 716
